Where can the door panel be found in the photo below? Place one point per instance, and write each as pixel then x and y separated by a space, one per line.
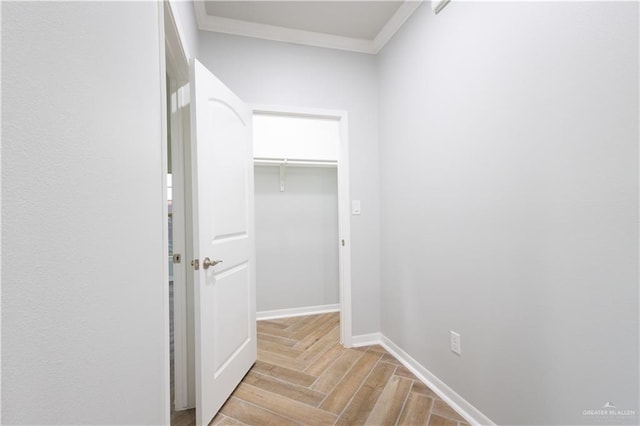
pixel 222 169
pixel 223 123
pixel 231 331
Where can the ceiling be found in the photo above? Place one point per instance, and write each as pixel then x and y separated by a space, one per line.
pixel 361 26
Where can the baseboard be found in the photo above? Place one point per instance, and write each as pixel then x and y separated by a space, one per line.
pixel 366 340
pixel 296 312
pixel 448 395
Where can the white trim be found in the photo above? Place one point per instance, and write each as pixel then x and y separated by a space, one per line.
pixel 448 395
pixel 297 111
pixel 440 388
pixel 309 38
pixel 179 120
pixel 177 69
pixel 395 23
pixel 344 213
pixel 164 211
pixel 344 229
pixel 438 5
pixel 177 61
pixel 297 312
pixel 366 340
pixel 299 163
pixel 179 29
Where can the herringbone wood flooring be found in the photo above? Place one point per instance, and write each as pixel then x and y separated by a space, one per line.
pixel 303 376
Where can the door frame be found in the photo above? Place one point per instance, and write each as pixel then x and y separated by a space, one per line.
pixel 178 121
pixel 344 213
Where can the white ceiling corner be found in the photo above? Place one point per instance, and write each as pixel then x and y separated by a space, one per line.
pixel 304 33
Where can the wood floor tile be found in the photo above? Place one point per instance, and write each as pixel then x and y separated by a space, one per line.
pixel 282 360
pixel 392 399
pixel 336 371
pixel 278 348
pixel 379 377
pixel 320 346
pixel 442 409
pixel 284 406
pixel 322 362
pixel 274 331
pixel 360 407
pixel 436 420
pixel 307 321
pixel 276 339
pixel 346 388
pixel 307 337
pixel 272 323
pixel 422 389
pixel 365 399
pixel 390 359
pixel 303 376
pixel 271 384
pixel 416 410
pixel 222 420
pixel 376 348
pixel 183 418
pixel 289 320
pixel 252 415
pixel 283 373
pixel 404 372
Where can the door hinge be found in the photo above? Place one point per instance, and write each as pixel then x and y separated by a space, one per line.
pixel 196 264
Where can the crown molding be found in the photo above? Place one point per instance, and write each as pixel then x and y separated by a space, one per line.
pixel 394 23
pixel 310 38
pixel 277 33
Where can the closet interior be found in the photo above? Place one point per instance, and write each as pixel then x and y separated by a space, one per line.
pixel 296 214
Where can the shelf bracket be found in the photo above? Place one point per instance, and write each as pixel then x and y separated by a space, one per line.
pixel 282 174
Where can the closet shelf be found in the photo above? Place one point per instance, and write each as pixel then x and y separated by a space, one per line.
pixel 294 162
pixel 284 162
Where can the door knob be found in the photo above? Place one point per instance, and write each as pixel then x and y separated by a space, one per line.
pixel 206 263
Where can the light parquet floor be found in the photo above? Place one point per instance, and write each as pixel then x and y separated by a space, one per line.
pixel 303 376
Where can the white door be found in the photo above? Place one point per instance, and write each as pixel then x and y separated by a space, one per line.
pixel 222 173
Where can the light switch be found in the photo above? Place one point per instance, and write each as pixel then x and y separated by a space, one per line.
pixel 355 207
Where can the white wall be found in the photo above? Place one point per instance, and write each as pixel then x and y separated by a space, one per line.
pixel 509 194
pixel 291 137
pixel 83 297
pixel 296 238
pixel 261 71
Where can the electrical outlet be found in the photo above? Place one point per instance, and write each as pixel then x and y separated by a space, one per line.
pixel 455 342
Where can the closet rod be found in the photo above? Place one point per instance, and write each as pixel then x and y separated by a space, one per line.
pixel 294 162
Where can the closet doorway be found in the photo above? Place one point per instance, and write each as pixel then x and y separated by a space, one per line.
pixel 303 247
